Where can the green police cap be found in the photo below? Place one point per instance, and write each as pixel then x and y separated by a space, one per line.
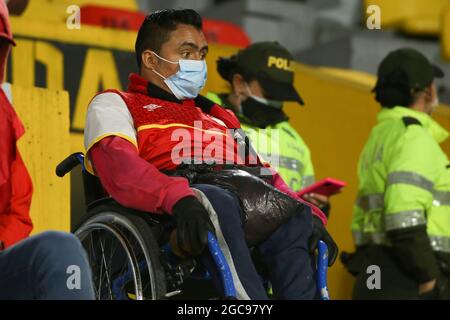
pixel 271 64
pixel 419 72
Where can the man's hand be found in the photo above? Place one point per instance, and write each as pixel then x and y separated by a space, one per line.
pixel 318 200
pixel 193 224
pixel 320 233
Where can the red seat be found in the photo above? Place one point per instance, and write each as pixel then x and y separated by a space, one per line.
pixel 222 32
pixel 111 17
pixel 216 31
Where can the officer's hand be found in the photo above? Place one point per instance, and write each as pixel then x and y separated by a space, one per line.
pixel 320 233
pixel 193 224
pixel 320 201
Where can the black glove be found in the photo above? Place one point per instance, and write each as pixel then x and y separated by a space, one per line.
pixel 193 224
pixel 320 233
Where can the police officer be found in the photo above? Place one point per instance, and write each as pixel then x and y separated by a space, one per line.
pixel 262 78
pixel 401 218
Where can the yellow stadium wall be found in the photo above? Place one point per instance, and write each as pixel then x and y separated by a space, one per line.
pixel 45 116
pixel 335 122
pixel 445 36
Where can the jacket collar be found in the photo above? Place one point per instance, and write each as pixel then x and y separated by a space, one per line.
pixel 138 84
pixel 435 129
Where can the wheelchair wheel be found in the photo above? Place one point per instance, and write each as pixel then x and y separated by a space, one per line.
pixel 123 255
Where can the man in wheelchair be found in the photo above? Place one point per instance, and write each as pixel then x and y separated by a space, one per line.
pixel 162 148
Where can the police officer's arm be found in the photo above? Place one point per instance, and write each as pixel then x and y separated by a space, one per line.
pixel 409 194
pixel 357 224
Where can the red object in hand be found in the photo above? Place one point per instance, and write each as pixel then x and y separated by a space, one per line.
pixel 326 187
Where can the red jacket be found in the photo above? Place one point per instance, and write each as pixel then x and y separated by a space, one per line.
pixel 15 183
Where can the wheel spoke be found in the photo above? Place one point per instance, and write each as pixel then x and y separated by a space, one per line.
pixel 118 256
pixel 106 268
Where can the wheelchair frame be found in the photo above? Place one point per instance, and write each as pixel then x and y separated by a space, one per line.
pixel 175 275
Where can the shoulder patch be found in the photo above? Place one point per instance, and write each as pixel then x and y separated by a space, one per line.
pixel 408 121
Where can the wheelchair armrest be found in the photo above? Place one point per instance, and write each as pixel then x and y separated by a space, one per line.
pixel 69 163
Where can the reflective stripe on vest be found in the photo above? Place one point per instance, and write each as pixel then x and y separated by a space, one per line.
pixel 440 243
pixel 441 198
pixel 362 238
pixel 412 178
pixel 375 201
pixel 284 162
pixel 404 219
pixel 371 202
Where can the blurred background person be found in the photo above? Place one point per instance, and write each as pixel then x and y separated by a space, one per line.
pixel 35 267
pixel 261 79
pixel 401 216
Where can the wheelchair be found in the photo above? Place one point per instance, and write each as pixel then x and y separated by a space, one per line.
pixel 130 255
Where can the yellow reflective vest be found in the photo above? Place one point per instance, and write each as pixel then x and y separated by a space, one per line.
pixel 282 147
pixel 404 180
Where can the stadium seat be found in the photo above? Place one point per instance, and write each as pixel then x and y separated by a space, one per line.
pixel 216 31
pixel 415 17
pixel 109 17
pixel 222 32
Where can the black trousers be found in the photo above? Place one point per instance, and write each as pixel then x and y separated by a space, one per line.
pixel 395 283
pixel 285 252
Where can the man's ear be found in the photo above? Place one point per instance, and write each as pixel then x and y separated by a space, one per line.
pixel 149 60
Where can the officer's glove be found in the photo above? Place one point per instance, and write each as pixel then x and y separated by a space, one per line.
pixel 320 233
pixel 193 224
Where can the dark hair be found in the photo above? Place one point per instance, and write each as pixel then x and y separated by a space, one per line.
pixel 393 90
pixel 157 26
pixel 227 68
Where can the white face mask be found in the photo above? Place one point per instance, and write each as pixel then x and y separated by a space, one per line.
pixel 271 103
pixel 188 81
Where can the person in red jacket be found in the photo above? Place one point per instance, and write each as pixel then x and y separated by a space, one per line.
pixel 35 267
pixel 162 148
pixel 15 183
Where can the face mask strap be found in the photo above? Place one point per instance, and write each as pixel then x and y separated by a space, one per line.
pixel 159 74
pixel 259 99
pixel 249 91
pixel 159 57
